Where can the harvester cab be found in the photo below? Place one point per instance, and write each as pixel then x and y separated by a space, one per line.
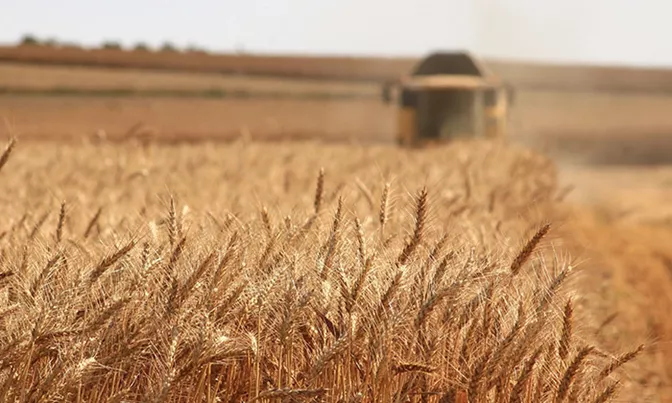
pixel 448 96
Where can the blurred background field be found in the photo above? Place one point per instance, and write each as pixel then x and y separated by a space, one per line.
pixel 600 113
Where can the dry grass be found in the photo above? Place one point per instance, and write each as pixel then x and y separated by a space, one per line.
pixel 288 272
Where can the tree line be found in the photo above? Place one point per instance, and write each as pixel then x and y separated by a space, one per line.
pixel 167 46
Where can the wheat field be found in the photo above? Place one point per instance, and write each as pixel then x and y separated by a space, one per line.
pixel 290 272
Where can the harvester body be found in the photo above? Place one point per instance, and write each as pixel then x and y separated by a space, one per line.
pixel 449 96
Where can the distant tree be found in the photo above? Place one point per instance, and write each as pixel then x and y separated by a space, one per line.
pixel 111 45
pixel 142 47
pixel 168 47
pixel 29 40
pixel 195 49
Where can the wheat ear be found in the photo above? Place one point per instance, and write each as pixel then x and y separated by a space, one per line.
pixel 566 337
pixel 527 250
pixel 420 221
pixel 61 223
pixel 570 373
pixel 615 364
pixel 319 191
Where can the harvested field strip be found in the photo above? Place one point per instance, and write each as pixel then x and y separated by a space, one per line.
pixel 630 282
pixel 31 76
pixel 336 68
pixel 251 271
pixel 215 93
pixel 644 147
pixel 188 119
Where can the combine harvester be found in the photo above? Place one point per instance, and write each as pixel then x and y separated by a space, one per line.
pixel 591 114
pixel 449 96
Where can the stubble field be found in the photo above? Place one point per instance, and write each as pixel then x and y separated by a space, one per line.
pixel 26 76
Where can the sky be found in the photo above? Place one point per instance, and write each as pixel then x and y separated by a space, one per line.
pixel 625 32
